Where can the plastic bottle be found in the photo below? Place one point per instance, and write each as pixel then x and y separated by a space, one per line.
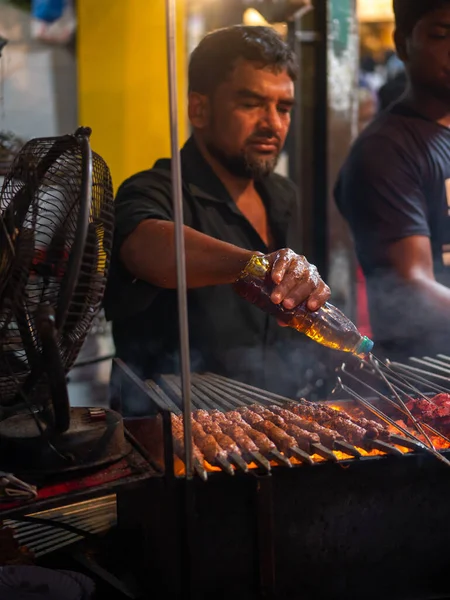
pixel 327 326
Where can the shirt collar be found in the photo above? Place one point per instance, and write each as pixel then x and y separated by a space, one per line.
pixel 205 184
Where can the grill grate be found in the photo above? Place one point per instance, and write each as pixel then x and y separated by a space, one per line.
pixel 214 395
pixel 92 516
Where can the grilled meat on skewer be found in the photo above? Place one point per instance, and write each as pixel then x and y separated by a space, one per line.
pixel 354 433
pixel 207 443
pixel 327 436
pixel 280 421
pixel 351 432
pixel 307 441
pixel 178 442
pixel 264 444
pixel 236 433
pixel 373 428
pixel 281 439
pixel 242 439
pixel 225 442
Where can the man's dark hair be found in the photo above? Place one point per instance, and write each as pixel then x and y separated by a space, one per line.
pixel 216 55
pixel 409 12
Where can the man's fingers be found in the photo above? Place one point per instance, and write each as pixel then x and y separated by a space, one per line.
pixel 296 281
pixel 319 296
pixel 301 284
pixel 281 263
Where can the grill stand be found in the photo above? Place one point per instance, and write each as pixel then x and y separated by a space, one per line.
pixel 377 520
pixel 266 537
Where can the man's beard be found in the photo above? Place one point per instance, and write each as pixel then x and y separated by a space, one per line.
pixel 246 165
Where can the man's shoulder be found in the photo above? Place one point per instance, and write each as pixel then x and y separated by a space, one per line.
pixel 159 175
pixel 396 127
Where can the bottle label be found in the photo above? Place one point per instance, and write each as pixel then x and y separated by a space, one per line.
pixel 257 266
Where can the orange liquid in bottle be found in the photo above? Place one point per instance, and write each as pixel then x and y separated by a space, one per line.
pixel 327 326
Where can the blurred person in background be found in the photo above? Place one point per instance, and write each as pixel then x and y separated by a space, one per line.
pixel 394 191
pixel 396 83
pixel 241 93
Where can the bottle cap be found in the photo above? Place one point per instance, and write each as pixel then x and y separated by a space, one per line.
pixel 364 346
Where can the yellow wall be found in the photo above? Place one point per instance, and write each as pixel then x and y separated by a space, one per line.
pixel 122 81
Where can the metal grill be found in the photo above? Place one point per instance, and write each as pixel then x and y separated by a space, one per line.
pixel 92 517
pixel 217 397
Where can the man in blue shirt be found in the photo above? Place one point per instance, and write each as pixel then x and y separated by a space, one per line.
pixel 394 191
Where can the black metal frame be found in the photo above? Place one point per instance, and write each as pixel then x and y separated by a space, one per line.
pixel 328 531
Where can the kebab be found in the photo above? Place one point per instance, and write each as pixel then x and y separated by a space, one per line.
pixel 284 442
pixel 178 442
pixel 349 427
pixel 306 440
pixel 243 440
pixel 328 437
pixel 227 444
pixel 263 443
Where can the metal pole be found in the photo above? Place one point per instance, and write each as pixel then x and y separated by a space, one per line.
pixel 177 195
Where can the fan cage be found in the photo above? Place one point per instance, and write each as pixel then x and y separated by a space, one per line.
pixel 40 203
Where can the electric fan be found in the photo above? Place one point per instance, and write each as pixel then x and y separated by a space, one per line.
pixel 56 228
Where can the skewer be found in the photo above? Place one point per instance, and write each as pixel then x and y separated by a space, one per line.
pixel 261 394
pixel 422 380
pixel 444 357
pixel 279 458
pixel 374 362
pixel 199 468
pixel 406 443
pixel 385 418
pixel 260 460
pixel 409 387
pixel 401 366
pixel 437 362
pixel 246 397
pixel 423 361
pixel 224 465
pixel 431 429
pixel 370 406
pixel 300 455
pixel 238 461
pixel 206 403
pixel 347 448
pixel 382 447
pixel 213 393
pixel 323 451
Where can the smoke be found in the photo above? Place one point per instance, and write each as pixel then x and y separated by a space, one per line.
pixel 405 321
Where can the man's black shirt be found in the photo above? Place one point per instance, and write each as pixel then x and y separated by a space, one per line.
pixel 395 184
pixel 228 335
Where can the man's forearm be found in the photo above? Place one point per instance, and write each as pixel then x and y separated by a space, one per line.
pixel 435 296
pixel 149 254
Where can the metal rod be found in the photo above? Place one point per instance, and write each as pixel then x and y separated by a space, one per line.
pixel 376 365
pixel 421 361
pixel 177 194
pixel 400 381
pixel 410 377
pixel 385 418
pixel 435 361
pixel 403 367
pixel 380 414
pixel 424 424
pixel 262 394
